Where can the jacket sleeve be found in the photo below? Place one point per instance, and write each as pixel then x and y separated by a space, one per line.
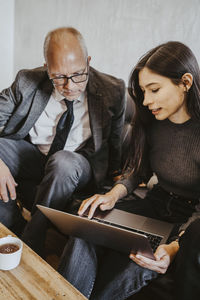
pixel 9 98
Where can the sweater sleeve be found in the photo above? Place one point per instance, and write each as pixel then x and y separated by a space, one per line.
pixel 129 181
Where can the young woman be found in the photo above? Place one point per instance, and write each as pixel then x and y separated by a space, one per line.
pixel 165 86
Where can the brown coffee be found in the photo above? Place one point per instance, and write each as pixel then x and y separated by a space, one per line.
pixel 8 248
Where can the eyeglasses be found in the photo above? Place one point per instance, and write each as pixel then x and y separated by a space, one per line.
pixel 63 79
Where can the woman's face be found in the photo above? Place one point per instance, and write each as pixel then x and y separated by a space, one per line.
pixel 163 98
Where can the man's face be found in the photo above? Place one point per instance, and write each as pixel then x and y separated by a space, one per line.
pixel 68 61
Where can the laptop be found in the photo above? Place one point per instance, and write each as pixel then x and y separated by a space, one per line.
pixel 115 229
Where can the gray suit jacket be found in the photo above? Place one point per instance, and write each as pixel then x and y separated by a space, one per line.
pixel 25 100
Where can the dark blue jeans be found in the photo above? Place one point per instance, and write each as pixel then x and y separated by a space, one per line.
pixel 108 275
pixel 101 273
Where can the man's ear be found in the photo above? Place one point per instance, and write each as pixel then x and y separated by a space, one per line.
pixel 187 80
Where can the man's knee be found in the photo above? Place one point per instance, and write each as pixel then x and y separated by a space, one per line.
pixel 9 213
pixel 66 164
pixel 4 146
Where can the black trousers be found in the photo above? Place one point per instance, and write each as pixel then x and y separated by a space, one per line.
pixel 182 280
pixel 187 264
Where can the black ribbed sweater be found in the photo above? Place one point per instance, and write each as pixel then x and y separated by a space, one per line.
pixel 174 154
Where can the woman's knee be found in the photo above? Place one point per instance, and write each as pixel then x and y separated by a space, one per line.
pixel 192 234
pixel 194 228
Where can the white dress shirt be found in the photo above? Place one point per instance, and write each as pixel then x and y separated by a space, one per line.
pixel 43 132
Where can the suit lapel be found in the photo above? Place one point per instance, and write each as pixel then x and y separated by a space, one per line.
pixel 95 108
pixel 40 101
pixel 38 104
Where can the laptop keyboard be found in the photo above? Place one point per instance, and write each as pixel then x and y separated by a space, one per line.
pixel 153 239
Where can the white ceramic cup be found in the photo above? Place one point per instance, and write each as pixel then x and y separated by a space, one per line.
pixel 10 261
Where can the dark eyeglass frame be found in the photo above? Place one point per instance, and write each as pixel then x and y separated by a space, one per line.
pixel 67 78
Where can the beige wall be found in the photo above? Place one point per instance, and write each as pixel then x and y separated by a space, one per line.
pixel 7 42
pixel 117 32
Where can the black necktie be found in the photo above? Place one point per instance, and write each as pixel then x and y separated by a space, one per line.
pixel 63 128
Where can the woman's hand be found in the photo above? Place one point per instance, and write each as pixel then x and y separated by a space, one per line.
pixel 164 255
pixel 104 202
pixel 7 183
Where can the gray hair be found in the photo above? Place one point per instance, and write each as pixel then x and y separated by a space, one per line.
pixel 62 34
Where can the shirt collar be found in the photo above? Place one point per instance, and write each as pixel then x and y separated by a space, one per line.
pixel 58 97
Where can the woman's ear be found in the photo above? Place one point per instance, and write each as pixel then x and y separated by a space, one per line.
pixel 187 80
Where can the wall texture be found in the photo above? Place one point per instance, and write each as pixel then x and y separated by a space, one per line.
pixel 7 40
pixel 117 32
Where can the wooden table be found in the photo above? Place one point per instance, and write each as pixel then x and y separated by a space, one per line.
pixel 34 279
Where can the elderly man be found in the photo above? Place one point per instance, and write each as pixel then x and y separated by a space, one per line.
pixel 60 127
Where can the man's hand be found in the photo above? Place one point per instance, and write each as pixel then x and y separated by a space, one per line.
pixel 104 202
pixel 164 256
pixel 7 183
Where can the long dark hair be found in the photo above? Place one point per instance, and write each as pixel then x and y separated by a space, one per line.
pixel 172 60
